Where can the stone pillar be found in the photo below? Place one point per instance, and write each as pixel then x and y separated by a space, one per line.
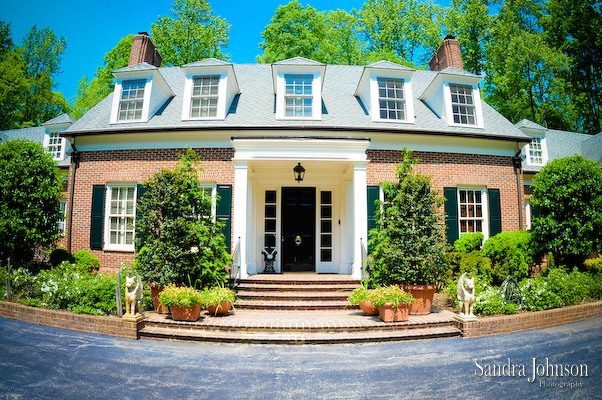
pixel 360 216
pixel 241 185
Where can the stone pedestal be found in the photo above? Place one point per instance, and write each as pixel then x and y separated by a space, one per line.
pixel 465 318
pixel 133 318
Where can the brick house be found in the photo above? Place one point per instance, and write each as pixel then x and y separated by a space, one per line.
pixel 341 127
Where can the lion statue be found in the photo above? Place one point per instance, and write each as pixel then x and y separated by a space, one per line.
pixel 133 294
pixel 466 295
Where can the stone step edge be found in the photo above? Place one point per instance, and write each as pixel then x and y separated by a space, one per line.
pixel 296 288
pixel 300 338
pixel 298 282
pixel 293 295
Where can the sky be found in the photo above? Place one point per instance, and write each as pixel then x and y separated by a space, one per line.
pixel 93 28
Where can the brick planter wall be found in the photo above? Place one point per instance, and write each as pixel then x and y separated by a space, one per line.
pixel 111 326
pixel 489 326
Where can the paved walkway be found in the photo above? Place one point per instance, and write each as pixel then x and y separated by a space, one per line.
pixel 38 362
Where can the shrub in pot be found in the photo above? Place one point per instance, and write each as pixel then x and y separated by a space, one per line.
pixel 362 296
pixel 218 300
pixel 393 303
pixel 184 302
pixel 408 245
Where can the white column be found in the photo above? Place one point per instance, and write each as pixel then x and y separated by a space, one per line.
pixel 360 216
pixel 240 213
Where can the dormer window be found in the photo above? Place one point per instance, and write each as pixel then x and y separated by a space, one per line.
pixel 535 151
pixel 132 100
pixel 298 97
pixel 463 108
pixel 54 145
pixel 391 99
pixel 204 96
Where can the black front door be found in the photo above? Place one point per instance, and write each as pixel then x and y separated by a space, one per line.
pixel 298 229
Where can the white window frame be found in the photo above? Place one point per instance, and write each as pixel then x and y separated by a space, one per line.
pixel 528 213
pixel 407 99
pixel 53 140
pixel 484 210
pixel 477 106
pixel 108 215
pixel 316 95
pixel 543 149
pixel 62 223
pixel 212 188
pixel 221 96
pixel 117 101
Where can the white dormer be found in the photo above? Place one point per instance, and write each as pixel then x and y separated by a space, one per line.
pixel 139 92
pixel 55 144
pixel 385 89
pixel 209 90
pixel 454 95
pixel 535 153
pixel 298 88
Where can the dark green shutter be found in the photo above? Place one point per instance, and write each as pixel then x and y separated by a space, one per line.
pixel 97 222
pixel 534 212
pixel 373 195
pixel 140 190
pixel 451 211
pixel 495 212
pixel 224 212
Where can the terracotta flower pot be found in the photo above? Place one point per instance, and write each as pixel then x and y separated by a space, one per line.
pixel 424 294
pixel 221 309
pixel 389 314
pixel 155 291
pixel 366 307
pixel 186 313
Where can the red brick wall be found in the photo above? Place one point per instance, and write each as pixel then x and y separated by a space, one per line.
pixel 102 167
pixel 451 170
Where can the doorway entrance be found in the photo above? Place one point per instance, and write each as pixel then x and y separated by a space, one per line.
pixel 298 229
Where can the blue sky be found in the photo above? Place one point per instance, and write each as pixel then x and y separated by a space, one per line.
pixel 93 28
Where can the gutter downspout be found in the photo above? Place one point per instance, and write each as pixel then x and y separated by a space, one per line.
pixel 518 161
pixel 74 166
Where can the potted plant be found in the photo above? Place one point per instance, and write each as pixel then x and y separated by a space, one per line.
pixel 393 303
pixel 176 235
pixel 218 300
pixel 362 296
pixel 183 302
pixel 408 245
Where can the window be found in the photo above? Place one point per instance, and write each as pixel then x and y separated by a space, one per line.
pixel 62 215
pixel 298 97
pixel 121 213
pixel 270 218
pixel 55 145
pixel 326 226
pixel 391 99
pixel 132 100
pixel 471 210
pixel 463 108
pixel 204 96
pixel 535 151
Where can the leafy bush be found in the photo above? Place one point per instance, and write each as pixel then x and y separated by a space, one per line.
pixel 57 256
pixel 593 265
pixel 391 294
pixel 408 245
pixel 86 261
pixel 511 253
pixel 361 294
pixel 469 242
pixel 489 302
pixel 216 295
pixel 568 194
pixel 472 262
pixel 173 296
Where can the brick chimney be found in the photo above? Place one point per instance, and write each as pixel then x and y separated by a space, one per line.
pixel 143 50
pixel 447 55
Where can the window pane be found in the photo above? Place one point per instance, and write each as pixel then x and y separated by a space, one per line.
pixel 326 226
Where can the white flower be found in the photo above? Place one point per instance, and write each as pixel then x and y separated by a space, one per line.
pixel 194 249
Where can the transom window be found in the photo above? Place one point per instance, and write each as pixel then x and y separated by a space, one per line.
pixel 391 99
pixel 298 97
pixel 471 211
pixel 462 104
pixel 535 151
pixel 55 145
pixel 132 100
pixel 122 212
pixel 204 96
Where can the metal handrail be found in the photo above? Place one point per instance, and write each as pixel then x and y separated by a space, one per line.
pixel 235 265
pixel 366 266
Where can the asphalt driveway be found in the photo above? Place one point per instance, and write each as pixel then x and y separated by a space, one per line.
pixel 38 362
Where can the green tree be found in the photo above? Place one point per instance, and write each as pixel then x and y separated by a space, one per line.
pixel 568 194
pixel 408 245
pixel 29 207
pixel 406 28
pixel 103 83
pixel 346 47
pixel 193 33
pixel 177 238
pixel 13 80
pixel 42 54
pixel 575 28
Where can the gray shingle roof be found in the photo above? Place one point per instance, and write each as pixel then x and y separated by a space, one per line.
pixel 61 119
pixel 389 65
pixel 592 148
pixel 208 62
pixel 525 123
pixel 255 108
pixel 298 61
pixel 137 67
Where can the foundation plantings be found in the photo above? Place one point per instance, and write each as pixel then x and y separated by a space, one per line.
pixel 408 244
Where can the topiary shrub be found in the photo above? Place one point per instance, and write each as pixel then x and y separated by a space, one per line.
pixel 86 261
pixel 469 242
pixel 511 253
pixel 59 255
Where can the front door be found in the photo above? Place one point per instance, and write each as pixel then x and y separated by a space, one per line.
pixel 298 229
